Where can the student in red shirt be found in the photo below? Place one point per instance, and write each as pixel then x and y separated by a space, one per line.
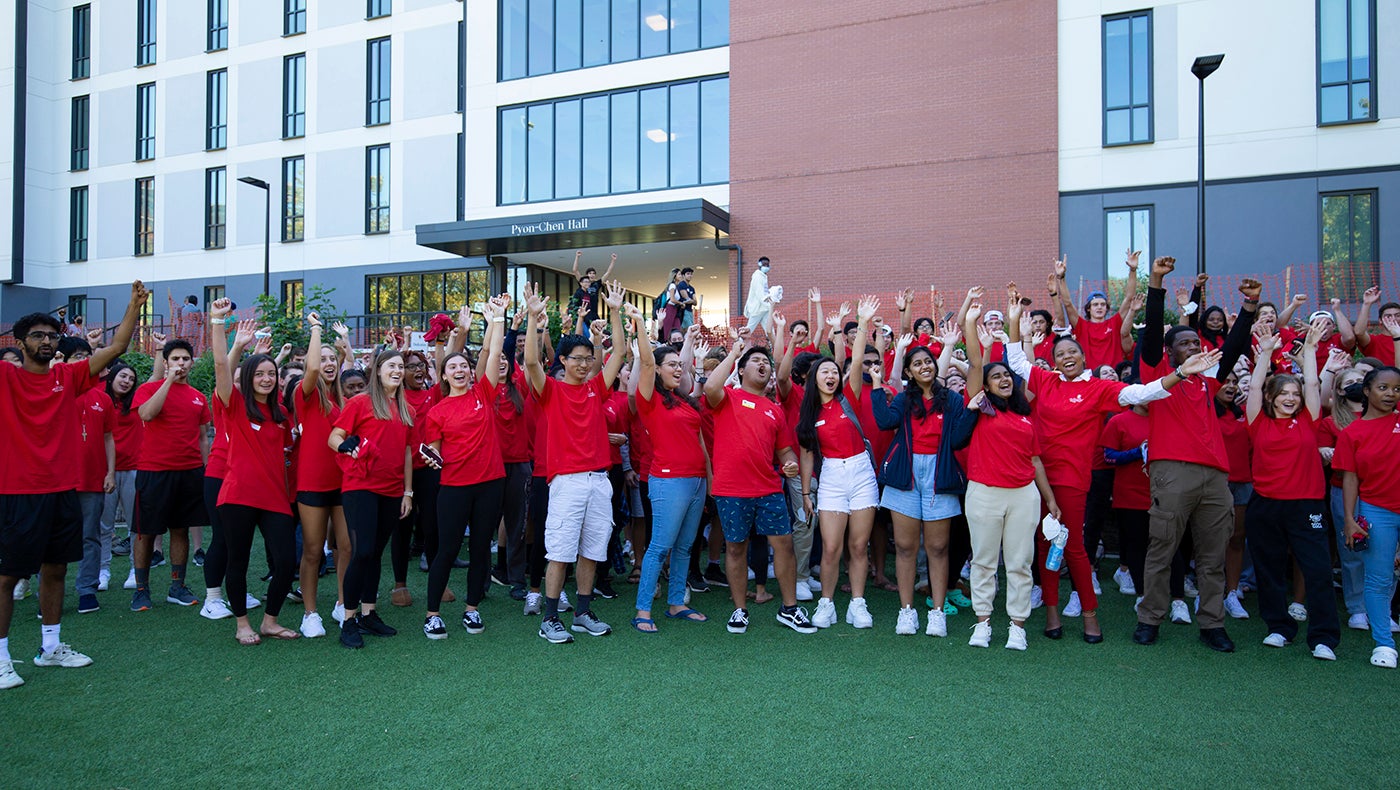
pixel 1285 513
pixel 579 524
pixel 515 420
pixel 318 403
pixel 1234 430
pixel 97 473
pixel 372 436
pixel 254 493
pixel 40 519
pixel 462 444
pixel 1382 345
pixel 1366 453
pixel 170 473
pixel 1006 485
pixel 418 531
pixel 1348 401
pixel 121 387
pixel 791 377
pixel 1097 331
pixel 1123 440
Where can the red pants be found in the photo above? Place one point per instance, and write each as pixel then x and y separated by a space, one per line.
pixel 1072 502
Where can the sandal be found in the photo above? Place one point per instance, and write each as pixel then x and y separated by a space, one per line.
pixel 635 576
pixel 638 622
pixel 248 640
pixel 886 585
pixel 688 614
pixel 282 633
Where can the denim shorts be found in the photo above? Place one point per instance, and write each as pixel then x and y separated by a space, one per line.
pixel 921 502
pixel 1241 492
pixel 741 516
pixel 847 485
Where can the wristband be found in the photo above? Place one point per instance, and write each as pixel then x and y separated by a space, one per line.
pixel 1251 301
pixel 498 320
pixel 1177 372
pixel 408 494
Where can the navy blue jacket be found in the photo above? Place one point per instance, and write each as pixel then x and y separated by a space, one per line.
pixel 897 470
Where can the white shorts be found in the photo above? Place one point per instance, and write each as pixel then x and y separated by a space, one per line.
pixel 580 517
pixel 847 485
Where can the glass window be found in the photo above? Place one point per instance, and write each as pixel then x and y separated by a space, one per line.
pixel 378 8
pixel 145 122
pixel 294 198
pixel 541 24
pixel 656 27
pixel 513 131
pixel 656 138
pixel 78 159
pixel 82 41
pixel 626 29
pixel 377 78
pixel 1349 230
pixel 145 32
pixel 213 293
pixel 515 37
pixel 685 134
pixel 568 35
pixel 1346 70
pixel 77 223
pixel 293 17
pixel 539 169
pixel 461 66
pixel 145 216
pixel 546 36
pixel 1127 78
pixel 595 145
pixel 294 95
pixel 215 208
pixel 216 110
pixel 377 189
pixel 596 21
pixel 293 295
pixel 714 131
pixel 714 23
pixel 624 142
pixel 1126 229
pixel 685 25
pixel 218 25
pixel 568 135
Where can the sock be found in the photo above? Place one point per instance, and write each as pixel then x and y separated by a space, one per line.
pixel 213 593
pixel 5 649
pixel 143 578
pixel 177 575
pixel 585 604
pixel 50 636
pixel 713 564
pixel 789 609
pixel 551 608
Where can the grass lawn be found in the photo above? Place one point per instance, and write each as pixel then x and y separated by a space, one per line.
pixel 172 701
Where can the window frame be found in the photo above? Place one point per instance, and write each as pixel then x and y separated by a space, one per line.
pixel 378 214
pixel 294 96
pixel 217 38
pixel 1373 267
pixel 78 209
pixel 145 32
pixel 213 293
pixel 216 189
pixel 378 9
pixel 289 291
pixel 80 133
pixel 145 122
pixel 1127 16
pixel 378 108
pixel 293 18
pixel 145 232
pixel 1351 80
pixel 292 210
pixel 216 109
pixel 82 41
pixel 1151 209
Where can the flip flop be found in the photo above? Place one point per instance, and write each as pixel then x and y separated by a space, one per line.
pixel 638 621
pixel 248 640
pixel 685 614
pixel 285 633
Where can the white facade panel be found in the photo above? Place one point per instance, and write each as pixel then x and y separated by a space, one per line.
pixel 258 111
pixel 340 101
pixel 113 140
pixel 340 191
pixel 182 29
pixel 252 21
pixel 428 56
pixel 181 225
pixel 111 231
pixel 425 182
pixel 113 38
pixel 184 101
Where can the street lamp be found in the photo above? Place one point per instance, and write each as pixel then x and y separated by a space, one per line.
pixel 1203 67
pixel 267 227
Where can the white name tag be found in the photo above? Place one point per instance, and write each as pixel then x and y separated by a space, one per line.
pixel 820 423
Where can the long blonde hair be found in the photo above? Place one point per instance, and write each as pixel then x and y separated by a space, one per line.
pixel 1342 415
pixel 380 400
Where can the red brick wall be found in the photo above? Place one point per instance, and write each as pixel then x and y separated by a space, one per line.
pixel 885 143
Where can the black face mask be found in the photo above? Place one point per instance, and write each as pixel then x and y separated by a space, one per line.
pixel 1353 392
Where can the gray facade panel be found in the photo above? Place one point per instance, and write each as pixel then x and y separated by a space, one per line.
pixel 184 99
pixel 111 221
pixel 255 20
pixel 339 194
pixel 343 12
pixel 113 137
pixel 248 225
pixel 181 226
pixel 114 37
pixel 259 109
pixel 429 89
pixel 340 86
pixel 183 29
pixel 428 171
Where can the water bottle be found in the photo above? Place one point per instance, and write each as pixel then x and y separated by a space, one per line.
pixel 1056 555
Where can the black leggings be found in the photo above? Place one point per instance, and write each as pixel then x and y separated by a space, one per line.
pixel 511 555
pixel 538 512
pixel 216 558
pixel 424 516
pixel 370 519
pixel 278 531
pixel 1132 550
pixel 479 506
pixel 1097 509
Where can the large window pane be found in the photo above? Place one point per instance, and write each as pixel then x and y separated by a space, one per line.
pixel 626 21
pixel 78 158
pixel 294 95
pixel 377 81
pixel 656 28
pixel 685 25
pixel 1141 67
pixel 515 37
pixel 714 131
pixel 541 36
pixel 1124 230
pixel 455 291
pixel 82 41
pixel 596 32
pixel 513 131
pixel 540 145
pixel 377 189
pixel 215 205
pixel 1127 78
pixel 294 198
pixel 656 138
pixel 568 34
pixel 216 110
pixel 1363 231
pixel 1115 52
pixel 685 134
pixel 624 142
pixel 714 23
pixel 432 293
pixel 1345 66
pixel 1348 246
pixel 595 145
pixel 567 144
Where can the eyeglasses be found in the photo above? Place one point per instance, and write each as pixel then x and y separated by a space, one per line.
pixel 42 336
pixel 869 363
pixel 580 360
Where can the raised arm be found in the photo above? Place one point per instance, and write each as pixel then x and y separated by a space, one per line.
pixel 612 262
pixel 614 299
pixel 645 371
pixel 1125 308
pixel 814 295
pixel 904 302
pixel 1363 317
pixel 1061 291
pixel 1312 387
pixel 1344 329
pixel 714 385
pixel 865 310
pixel 121 336
pixel 535 306
pixel 973 312
pixel 1242 331
pixel 1287 313
pixel 577 254
pixel 223 377
pixel 1254 403
pixel 1152 335
pixel 313 355
pixel 491 345
pixel 784 374
pixel 838 338
pixel 901 347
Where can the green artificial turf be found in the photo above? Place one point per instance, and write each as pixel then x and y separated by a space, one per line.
pixel 172 701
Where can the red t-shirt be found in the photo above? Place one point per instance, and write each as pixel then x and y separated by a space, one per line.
pixel 515 429
pixel 98 419
pixel 1239 447
pixel 539 437
pixel 792 410
pixel 1001 450
pixel 41 428
pixel 1045 349
pixel 1184 426
pixel 750 431
pixel 865 410
pixel 317 469
pixel 1327 435
pixel 927 432
pixel 217 466
pixel 639 448
pixel 1132 489
pixel 420 401
pixel 383 474
pixel 1101 341
pixel 836 435
pixel 1068 420
pixel 171 442
pixel 617 416
pixel 127 434
pixel 257 457
pixel 1286 462
pixel 675 434
pixel 1381 347
pixel 1369 448
pixel 578 431
pixel 466 426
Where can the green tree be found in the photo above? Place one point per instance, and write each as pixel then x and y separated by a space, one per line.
pixel 287 322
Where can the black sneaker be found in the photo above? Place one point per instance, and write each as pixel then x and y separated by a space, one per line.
pixel 796 619
pixel 121 548
pixel 267 577
pixel 517 593
pixel 459 563
pixel 350 634
pixel 371 624
pixel 1216 639
pixel 1145 634
pixel 199 558
pixel 87 603
pixel 433 627
pixel 498 576
pixel 738 622
pixel 294 594
pixel 602 587
pixel 472 622
pixel 715 575
pixel 157 559
pixel 141 600
pixel 697 584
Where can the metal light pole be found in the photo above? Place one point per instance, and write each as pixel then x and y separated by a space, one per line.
pixel 267 228
pixel 1203 67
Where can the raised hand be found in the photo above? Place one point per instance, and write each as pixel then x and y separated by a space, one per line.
pixel 974 311
pixel 779 320
pixel 1163 265
pixel 1200 363
pixel 341 329
pixel 1251 288
pixel 1338 359
pixel 1299 300
pixel 1268 344
pixel 1132 260
pixel 1315 332
pixel 615 295
pixel 902 344
pixel 1391 324
pixel 901 301
pixel 244 333
pixel 264 344
pixel 814 295
pixel 1025 324
pixel 220 309
pixel 1052 283
pixel 937 299
pixel 1372 295
pixel 1183 297
pixel 949 335
pixel 1060 267
pixel 534 302
pixel 1202 279
pixel 94 337
pixel 139 294
pixel 1139 300
pixel 866 307
pixel 841 314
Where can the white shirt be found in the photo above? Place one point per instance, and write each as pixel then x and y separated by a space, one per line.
pixel 1131 395
pixel 758 292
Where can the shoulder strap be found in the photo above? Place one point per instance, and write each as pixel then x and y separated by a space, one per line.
pixel 855 420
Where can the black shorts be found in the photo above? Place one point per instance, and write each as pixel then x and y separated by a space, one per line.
pixel 319 498
pixel 39 529
pixel 170 500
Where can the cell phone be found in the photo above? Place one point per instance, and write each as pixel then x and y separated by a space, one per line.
pixel 431 454
pixel 1360 541
pixel 262 334
pixel 1295 346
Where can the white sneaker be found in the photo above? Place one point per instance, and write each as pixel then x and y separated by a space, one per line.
pixel 22 589
pixel 1275 640
pixel 534 602
pixel 1298 612
pixel 1359 622
pixel 1380 657
pixel 937 623
pixel 908 622
pixel 1037 599
pixel 338 613
pixel 104 578
pixel 215 609
pixel 981 634
pixel 9 678
pixel 61 656
pixel 858 615
pixel 130 583
pixel 1233 607
pixel 564 605
pixel 311 626
pixel 251 601
pixel 1180 614
pixel 1073 608
pixel 804 593
pixel 1324 653
pixel 1124 580
pixel 815 585
pixel 825 616
pixel 1016 638
pixel 1094 579
pixel 1190 584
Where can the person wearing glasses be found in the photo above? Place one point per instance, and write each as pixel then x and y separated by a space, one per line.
pixel 419 529
pixel 41 523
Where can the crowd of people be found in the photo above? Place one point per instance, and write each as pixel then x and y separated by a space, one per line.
pixel 1234 449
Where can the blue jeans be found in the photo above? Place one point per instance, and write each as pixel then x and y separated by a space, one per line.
pixel 676 503
pixel 1353 563
pixel 91 563
pixel 1380 569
